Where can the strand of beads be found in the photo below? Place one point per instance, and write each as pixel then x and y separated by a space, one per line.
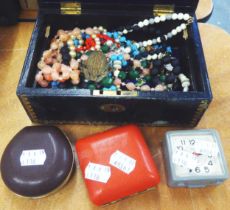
pixel 183 17
pixel 93 58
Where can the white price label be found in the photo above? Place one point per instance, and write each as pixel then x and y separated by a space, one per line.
pixel 206 148
pixel 184 159
pixel 208 166
pixel 201 144
pixel 97 172
pixel 33 157
pixel 123 162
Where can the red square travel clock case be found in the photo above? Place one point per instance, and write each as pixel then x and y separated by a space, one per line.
pixel 115 164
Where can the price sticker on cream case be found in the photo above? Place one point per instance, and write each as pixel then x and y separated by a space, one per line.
pixel 122 162
pixel 33 157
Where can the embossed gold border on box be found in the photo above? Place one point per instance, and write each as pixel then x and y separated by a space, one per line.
pixel 29 109
pixel 199 112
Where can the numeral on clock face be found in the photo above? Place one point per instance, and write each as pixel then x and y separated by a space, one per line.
pixel 210 163
pixel 192 142
pixel 182 142
pixel 206 169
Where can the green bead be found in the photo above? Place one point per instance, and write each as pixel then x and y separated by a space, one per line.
pixel 88 53
pixel 142 49
pixel 78 55
pixel 162 78
pixel 122 75
pixel 105 48
pixel 107 81
pixel 133 74
pixel 140 82
pixel 144 64
pixel 92 86
pixel 148 78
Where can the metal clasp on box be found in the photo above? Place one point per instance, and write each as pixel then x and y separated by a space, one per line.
pixel 163 9
pixel 70 8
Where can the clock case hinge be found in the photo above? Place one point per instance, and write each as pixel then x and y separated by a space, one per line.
pixel 70 8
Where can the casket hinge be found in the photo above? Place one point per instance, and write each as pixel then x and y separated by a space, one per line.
pixel 163 9
pixel 70 8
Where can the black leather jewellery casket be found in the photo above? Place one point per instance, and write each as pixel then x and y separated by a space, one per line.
pixel 157 108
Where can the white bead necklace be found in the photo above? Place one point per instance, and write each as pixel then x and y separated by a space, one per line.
pixel 180 16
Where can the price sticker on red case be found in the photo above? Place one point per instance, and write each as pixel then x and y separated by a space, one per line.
pixel 122 162
pixel 97 172
pixel 33 157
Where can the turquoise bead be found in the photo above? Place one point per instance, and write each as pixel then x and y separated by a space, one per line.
pixel 55 84
pixel 169 49
pixel 134 47
pixel 76 42
pixel 128 42
pixel 113 57
pixel 109 34
pixel 115 35
pixel 124 63
pixel 135 53
pixel 122 39
pixel 120 57
pixel 113 87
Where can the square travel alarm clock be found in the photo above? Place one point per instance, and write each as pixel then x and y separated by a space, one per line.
pixel 194 158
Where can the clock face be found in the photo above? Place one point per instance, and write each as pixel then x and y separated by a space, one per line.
pixel 195 155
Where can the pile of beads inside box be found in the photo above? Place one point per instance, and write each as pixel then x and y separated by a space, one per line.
pixel 94 58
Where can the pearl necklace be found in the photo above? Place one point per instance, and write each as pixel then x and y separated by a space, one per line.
pixel 186 17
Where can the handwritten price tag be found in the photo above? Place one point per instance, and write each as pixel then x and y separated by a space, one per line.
pixel 33 157
pixel 122 162
pixel 184 159
pixel 206 148
pixel 97 172
pixel 201 144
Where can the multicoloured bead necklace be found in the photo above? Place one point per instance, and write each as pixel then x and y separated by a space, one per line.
pixel 96 59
